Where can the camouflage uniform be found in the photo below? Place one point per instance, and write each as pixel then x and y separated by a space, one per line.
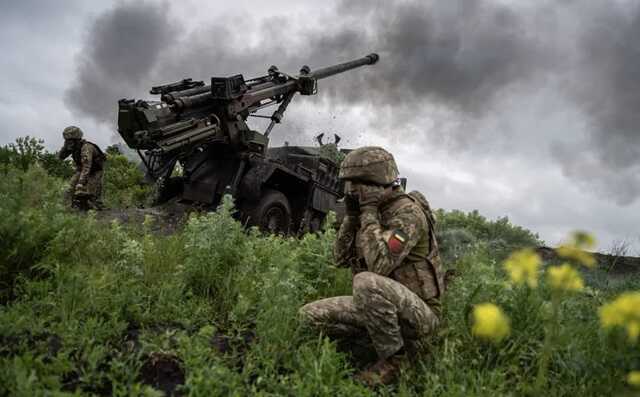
pixel 398 279
pixel 85 187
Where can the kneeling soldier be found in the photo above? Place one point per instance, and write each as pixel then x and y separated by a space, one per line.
pixel 388 239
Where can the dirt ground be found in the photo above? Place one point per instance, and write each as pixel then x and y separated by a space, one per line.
pixel 167 218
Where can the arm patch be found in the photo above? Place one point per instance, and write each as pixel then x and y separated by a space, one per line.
pixel 396 242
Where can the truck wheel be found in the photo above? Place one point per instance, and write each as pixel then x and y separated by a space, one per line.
pixel 272 214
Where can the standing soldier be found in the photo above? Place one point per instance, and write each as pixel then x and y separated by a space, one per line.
pixel 85 190
pixel 387 238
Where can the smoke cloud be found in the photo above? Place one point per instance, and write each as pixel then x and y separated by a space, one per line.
pixel 123 46
pixel 458 56
pixel 607 87
pixel 456 53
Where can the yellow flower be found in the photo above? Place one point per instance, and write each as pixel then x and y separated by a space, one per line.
pixel 564 278
pixel 624 311
pixel 574 253
pixel 575 248
pixel 583 240
pixel 523 266
pixel 634 378
pixel 489 322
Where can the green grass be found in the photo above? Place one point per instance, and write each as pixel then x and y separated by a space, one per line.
pixel 88 304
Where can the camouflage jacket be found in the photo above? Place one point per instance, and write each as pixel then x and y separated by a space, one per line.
pixel 88 160
pixel 394 242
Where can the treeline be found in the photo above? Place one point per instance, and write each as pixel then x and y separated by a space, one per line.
pixel 28 151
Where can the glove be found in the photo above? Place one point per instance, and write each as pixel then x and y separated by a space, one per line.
pixel 370 196
pixel 352 205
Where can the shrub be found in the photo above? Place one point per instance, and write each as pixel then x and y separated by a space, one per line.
pixel 458 232
pixel 92 302
pixel 124 184
pixel 56 167
pixel 28 151
pixel 32 213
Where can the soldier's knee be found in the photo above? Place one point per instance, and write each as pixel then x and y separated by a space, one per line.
pixel 307 314
pixel 365 289
pixel 303 312
pixel 364 281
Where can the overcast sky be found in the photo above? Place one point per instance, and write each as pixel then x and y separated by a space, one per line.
pixel 524 109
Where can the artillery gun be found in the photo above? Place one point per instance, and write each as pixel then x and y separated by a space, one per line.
pixel 203 128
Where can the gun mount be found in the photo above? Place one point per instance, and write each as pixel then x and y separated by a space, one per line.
pixel 203 128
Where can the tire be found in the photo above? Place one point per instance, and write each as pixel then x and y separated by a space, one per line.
pixel 272 214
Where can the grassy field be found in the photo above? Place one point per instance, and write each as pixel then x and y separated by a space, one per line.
pixel 91 307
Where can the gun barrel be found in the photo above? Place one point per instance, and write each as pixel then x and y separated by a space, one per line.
pixel 343 67
pixel 172 96
pixel 188 102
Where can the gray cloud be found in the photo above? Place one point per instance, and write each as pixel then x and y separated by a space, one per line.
pixel 122 48
pixel 606 85
pixel 455 53
pixel 38 47
pixel 498 150
pixel 455 59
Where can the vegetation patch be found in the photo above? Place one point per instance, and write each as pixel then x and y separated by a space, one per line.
pixel 92 306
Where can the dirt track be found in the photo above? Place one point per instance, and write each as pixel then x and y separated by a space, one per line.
pixel 167 219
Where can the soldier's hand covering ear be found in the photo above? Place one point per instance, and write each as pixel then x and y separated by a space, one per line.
pixel 370 196
pixel 352 205
pixel 66 150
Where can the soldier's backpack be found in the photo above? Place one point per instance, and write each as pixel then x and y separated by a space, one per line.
pixel 100 158
pixel 434 256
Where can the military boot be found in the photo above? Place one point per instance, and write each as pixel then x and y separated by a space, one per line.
pixel 383 372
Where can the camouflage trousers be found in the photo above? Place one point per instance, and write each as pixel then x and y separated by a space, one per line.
pixel 392 315
pixel 91 197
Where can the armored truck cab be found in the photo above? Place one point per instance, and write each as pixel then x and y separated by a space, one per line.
pixel 290 189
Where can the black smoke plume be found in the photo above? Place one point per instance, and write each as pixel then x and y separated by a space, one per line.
pixel 457 52
pixel 457 55
pixel 122 48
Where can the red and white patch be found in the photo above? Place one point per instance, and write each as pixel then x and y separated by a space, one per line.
pixel 396 242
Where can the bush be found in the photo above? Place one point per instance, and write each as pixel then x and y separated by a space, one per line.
pixel 124 184
pixel 458 232
pixel 87 305
pixel 28 151
pixel 32 213
pixel 56 167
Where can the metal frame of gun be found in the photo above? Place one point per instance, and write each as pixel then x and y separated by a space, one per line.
pixel 191 113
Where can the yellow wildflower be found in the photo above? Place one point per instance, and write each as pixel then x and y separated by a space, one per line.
pixel 489 322
pixel 624 311
pixel 574 253
pixel 575 249
pixel 564 278
pixel 583 240
pixel 634 378
pixel 523 266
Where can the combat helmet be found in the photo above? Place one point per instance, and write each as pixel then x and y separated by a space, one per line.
pixel 72 132
pixel 371 164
